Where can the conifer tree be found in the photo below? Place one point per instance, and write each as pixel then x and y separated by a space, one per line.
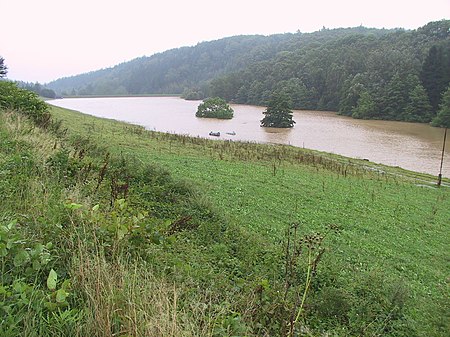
pixel 443 117
pixel 418 108
pixel 278 113
pixel 433 75
pixel 3 68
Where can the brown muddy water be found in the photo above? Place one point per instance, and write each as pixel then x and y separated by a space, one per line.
pixel 413 146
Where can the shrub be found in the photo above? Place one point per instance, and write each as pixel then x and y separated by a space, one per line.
pixel 333 303
pixel 24 101
pixel 215 107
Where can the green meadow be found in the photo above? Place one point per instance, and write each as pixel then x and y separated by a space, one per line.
pixel 153 234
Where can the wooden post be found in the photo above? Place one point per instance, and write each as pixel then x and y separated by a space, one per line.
pixel 442 159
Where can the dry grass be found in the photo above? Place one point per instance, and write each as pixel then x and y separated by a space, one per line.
pixel 22 130
pixel 124 298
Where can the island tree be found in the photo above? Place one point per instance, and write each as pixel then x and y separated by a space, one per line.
pixel 278 113
pixel 214 107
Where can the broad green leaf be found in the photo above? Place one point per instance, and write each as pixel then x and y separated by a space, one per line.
pixel 18 286
pixel 66 285
pixel 21 258
pixel 36 265
pixel 10 243
pixel 3 250
pixel 121 232
pixel 38 249
pixel 52 279
pixel 61 295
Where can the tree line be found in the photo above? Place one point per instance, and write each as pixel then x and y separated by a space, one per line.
pixel 360 72
pixel 191 69
pixel 401 75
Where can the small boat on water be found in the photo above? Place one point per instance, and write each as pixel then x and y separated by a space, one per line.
pixel 231 133
pixel 216 134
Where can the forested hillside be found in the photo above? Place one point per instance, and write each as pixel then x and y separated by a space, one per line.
pixel 399 76
pixel 173 71
pixel 361 72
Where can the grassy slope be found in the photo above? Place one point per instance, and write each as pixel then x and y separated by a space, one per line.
pixel 47 223
pixel 389 224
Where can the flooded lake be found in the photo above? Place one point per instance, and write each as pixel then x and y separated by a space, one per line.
pixel 412 146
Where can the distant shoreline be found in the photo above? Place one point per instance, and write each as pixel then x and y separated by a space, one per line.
pixel 125 95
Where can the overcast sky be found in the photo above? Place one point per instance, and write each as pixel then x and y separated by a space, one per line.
pixel 42 40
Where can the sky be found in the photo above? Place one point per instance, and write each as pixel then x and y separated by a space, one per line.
pixel 43 40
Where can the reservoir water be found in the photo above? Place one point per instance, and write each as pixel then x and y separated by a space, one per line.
pixel 413 146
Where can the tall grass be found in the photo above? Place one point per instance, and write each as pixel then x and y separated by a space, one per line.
pixel 124 298
pixel 108 297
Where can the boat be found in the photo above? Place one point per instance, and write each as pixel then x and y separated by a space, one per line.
pixel 216 134
pixel 231 133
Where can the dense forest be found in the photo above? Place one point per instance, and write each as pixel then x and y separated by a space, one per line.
pixel 361 72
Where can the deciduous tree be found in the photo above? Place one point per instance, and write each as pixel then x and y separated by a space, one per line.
pixel 214 107
pixel 365 108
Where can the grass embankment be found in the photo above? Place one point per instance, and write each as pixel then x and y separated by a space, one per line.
pixel 190 237
pixel 389 225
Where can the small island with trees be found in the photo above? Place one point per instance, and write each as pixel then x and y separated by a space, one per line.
pixel 214 107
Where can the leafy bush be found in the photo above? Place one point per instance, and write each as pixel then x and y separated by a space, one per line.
pixel 23 293
pixel 333 304
pixel 24 101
